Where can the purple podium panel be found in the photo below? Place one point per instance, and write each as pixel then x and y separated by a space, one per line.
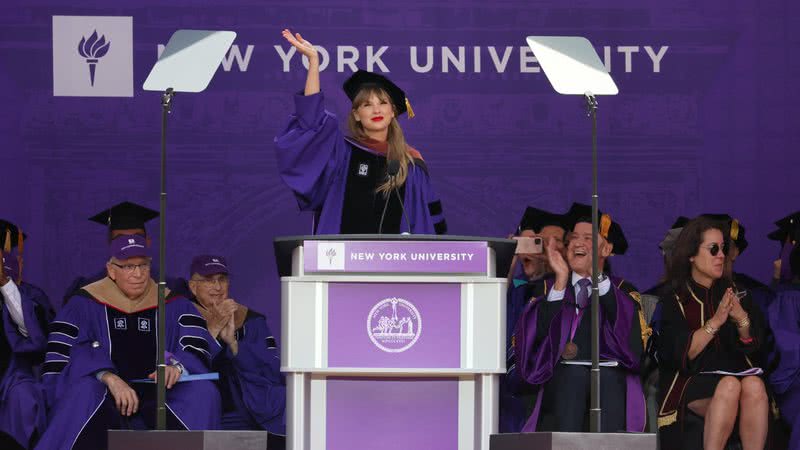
pixel 392 413
pixel 394 325
pixel 395 256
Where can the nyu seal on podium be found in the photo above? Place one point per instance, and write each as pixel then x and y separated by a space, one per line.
pixel 394 325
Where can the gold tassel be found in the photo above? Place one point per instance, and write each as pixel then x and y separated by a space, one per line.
pixel 735 229
pixel 605 225
pixel 7 246
pixel 409 109
pixel 20 248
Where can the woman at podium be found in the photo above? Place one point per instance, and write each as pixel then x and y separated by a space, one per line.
pixel 354 184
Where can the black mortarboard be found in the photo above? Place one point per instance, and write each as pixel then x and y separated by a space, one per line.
pixel 535 219
pixel 736 229
pixel 125 216
pixel 668 243
pixel 680 222
pixel 362 79
pixel 10 235
pixel 788 227
pixel 609 229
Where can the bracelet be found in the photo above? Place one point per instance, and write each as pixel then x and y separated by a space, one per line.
pixel 744 323
pixel 747 341
pixel 709 329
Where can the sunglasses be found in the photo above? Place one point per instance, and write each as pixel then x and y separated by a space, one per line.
pixel 714 249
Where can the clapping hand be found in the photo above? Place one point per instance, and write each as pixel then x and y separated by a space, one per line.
pixel 723 311
pixel 226 310
pixel 557 263
pixel 737 313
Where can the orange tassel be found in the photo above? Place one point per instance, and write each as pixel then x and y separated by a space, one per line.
pixel 7 246
pixel 605 225
pixel 735 229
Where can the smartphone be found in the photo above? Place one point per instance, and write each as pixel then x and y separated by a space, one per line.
pixel 529 245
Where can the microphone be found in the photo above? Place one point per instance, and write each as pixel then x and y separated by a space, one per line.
pixel 392 169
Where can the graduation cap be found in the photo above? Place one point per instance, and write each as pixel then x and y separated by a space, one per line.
pixel 535 219
pixel 363 79
pixel 668 243
pixel 607 228
pixel 680 222
pixel 125 216
pixel 788 228
pixel 736 229
pixel 11 236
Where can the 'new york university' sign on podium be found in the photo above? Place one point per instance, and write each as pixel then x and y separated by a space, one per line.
pixel 395 256
pixel 393 340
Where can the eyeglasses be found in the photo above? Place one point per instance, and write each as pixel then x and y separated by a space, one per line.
pixel 715 248
pixel 130 268
pixel 223 280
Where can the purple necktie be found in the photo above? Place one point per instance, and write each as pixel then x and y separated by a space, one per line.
pixel 583 292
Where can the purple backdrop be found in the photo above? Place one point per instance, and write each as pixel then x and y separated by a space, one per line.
pixel 707 129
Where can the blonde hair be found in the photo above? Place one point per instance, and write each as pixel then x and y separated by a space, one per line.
pixel 396 142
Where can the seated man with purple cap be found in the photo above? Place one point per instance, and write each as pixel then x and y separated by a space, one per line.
pixel 102 351
pixel 553 337
pixel 252 387
pixel 26 311
pixel 124 219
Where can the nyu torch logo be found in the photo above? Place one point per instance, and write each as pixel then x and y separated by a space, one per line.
pixel 92 50
pixel 330 253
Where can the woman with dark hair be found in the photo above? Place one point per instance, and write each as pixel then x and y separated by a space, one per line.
pixel 354 184
pixel 710 339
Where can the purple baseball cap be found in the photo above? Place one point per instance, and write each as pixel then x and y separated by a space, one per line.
pixel 132 246
pixel 205 265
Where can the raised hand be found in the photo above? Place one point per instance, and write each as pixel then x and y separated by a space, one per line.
pixel 307 49
pixel 304 47
pixel 558 264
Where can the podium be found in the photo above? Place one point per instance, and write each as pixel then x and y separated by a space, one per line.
pixel 392 341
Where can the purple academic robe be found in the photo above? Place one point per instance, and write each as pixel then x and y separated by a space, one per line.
pixel 254 390
pixel 79 346
pixel 514 393
pixel 23 412
pixel 536 364
pixel 313 158
pixel 784 318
